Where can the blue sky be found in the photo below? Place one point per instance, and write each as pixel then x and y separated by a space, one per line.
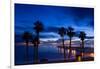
pixel 53 17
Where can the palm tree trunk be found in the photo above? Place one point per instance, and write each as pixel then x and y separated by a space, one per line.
pixel 82 44
pixel 35 54
pixel 64 48
pixel 69 49
pixel 82 47
pixel 70 43
pixel 36 48
pixel 26 57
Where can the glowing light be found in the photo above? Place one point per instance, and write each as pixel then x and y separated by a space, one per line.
pixel 82 54
pixel 92 54
pixel 74 52
pixel 89 54
pixel 68 50
pixel 79 58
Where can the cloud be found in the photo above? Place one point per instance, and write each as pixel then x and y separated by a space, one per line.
pixel 51 29
pixel 83 16
pixel 53 17
pixel 49 35
pixel 90 37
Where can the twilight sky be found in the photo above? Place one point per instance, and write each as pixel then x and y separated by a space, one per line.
pixel 53 17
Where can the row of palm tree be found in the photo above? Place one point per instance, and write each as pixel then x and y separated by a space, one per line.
pixel 62 32
pixel 71 33
pixel 39 27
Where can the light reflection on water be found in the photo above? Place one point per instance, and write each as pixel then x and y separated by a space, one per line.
pixel 49 52
pixel 74 52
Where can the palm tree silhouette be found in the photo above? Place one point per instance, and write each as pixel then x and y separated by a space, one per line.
pixel 38 27
pixel 82 37
pixel 26 37
pixel 70 34
pixel 62 32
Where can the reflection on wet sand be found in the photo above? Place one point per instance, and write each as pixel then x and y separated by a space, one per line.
pixel 78 55
pixel 53 54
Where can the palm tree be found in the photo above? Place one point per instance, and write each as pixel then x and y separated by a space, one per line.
pixel 70 34
pixel 38 27
pixel 82 37
pixel 62 32
pixel 26 37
